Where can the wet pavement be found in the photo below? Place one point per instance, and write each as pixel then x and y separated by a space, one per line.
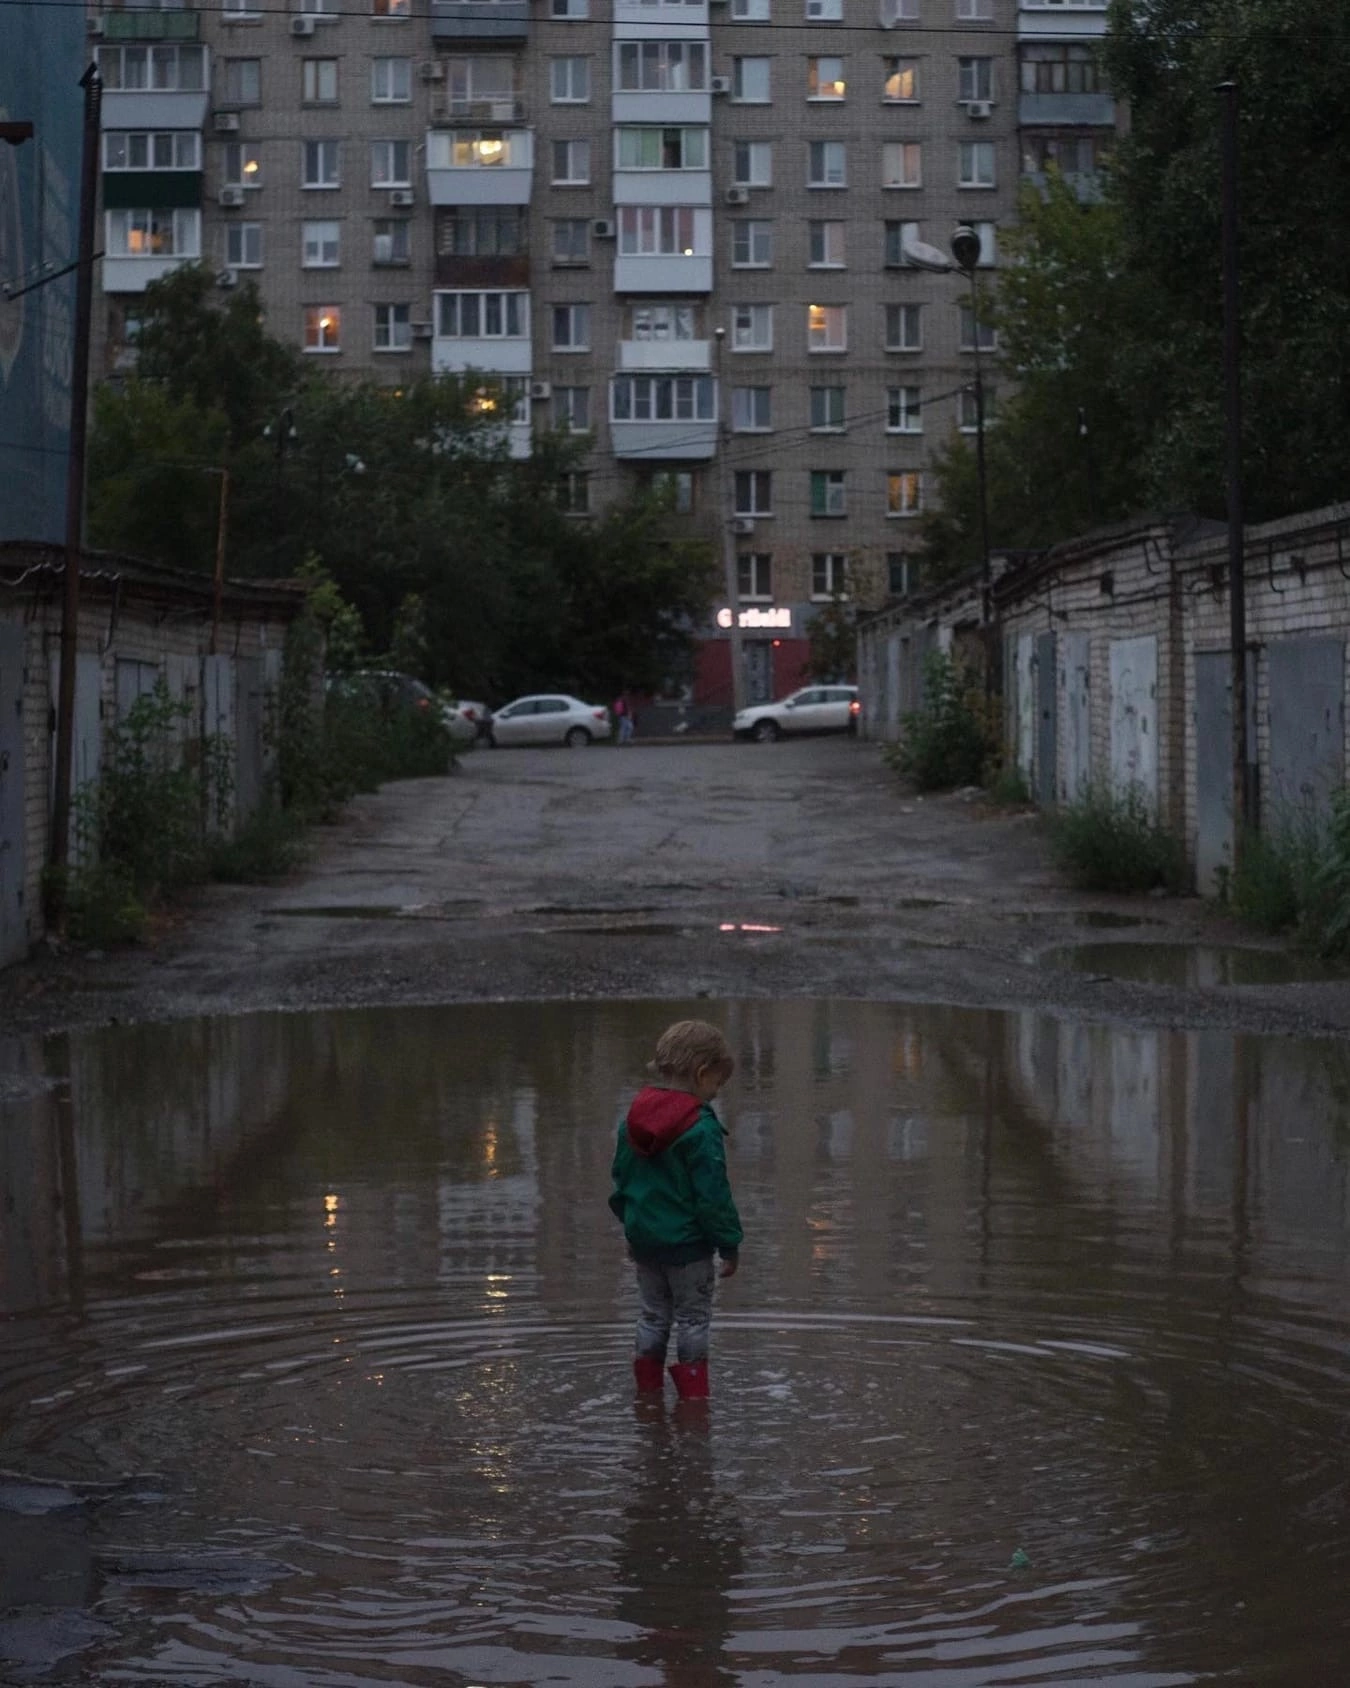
pixel 317 1333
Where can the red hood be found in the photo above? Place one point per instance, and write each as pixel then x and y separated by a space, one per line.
pixel 657 1117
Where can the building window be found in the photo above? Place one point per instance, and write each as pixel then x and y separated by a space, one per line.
pixel 571 163
pixel 901 165
pixel 676 487
pixel 479 149
pixel 241 82
pixel 904 328
pixel 829 574
pixel 481 86
pixel 571 328
pixel 988 233
pixel 571 240
pixel 753 492
pixel 975 164
pixel 241 165
pixel 320 245
pixel 480 231
pixel 393 328
pixel 968 410
pixel 827 493
pixel 319 8
pixel 827 328
pixel 750 80
pixel 390 81
pixel 754 574
pixel 825 79
pixel 975 78
pixel 176 149
pixel 239 11
pixel 244 246
pixel 160 70
pixel 573 9
pixel 574 488
pixel 969 327
pixel 569 81
pixel 897 237
pixel 825 245
pixel 898 569
pixel 154 234
pixel 322 164
pixel 657 323
pixel 656 230
pixel 752 164
pixel 390 164
pixel 1058 69
pixel 904 492
pixel 483 316
pixel 323 328
pixel 752 328
pixel 666 67
pixel 751 11
pixel 824 11
pixel 751 410
pixel 827 164
pixel 663 398
pixel 319 81
pixel 391 8
pixel 901 86
pixel 751 244
pixel 827 410
pixel 898 11
pixel 393 241
pixel 662 149
pixel 1072 155
pixel 904 413
pixel 572 409
pixel 975 11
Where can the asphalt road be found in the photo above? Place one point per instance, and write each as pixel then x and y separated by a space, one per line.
pixel 670 870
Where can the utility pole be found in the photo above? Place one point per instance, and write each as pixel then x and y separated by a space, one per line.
pixel 59 850
pixel 1232 378
pixel 218 582
pixel 730 566
pixel 966 249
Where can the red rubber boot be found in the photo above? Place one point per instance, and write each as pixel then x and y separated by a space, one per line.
pixel 691 1380
pixel 648 1375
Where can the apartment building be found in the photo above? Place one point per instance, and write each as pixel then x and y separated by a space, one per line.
pixel 677 227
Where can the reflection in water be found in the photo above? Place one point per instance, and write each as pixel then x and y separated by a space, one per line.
pixel 340 1294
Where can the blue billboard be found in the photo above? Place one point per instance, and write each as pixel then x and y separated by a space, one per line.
pixel 43 54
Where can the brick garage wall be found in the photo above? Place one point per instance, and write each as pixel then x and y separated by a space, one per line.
pixel 127 613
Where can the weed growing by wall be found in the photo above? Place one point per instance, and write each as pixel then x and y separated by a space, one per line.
pixel 1110 841
pixel 948 742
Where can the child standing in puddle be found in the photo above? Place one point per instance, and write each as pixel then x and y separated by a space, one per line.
pixel 673 1198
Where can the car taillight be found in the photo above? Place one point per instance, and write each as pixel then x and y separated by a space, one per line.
pixel 855 708
pixel 600 714
pixel 468 714
pixel 424 703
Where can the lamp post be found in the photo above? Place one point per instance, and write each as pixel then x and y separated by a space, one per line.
pixel 730 567
pixel 965 257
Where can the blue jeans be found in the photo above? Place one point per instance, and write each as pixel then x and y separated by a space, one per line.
pixel 681 1296
pixel 625 729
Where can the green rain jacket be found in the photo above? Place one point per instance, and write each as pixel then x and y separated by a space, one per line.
pixel 671 1191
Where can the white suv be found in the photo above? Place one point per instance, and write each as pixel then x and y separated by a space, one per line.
pixel 813 709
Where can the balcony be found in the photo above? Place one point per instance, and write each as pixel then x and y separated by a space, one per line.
pixel 154 108
pixel 148 26
pixel 1078 111
pixel 663 273
pixel 134 275
pixel 480 20
pixel 664 441
pixel 1085 184
pixel 1038 21
pixel 489 168
pixel 668 18
pixel 662 187
pixel 451 111
pixel 675 107
pixel 663 355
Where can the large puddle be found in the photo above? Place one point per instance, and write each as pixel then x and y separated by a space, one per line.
pixel 1037 1369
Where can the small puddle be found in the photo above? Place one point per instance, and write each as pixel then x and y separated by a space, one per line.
pixel 1193 966
pixel 1106 919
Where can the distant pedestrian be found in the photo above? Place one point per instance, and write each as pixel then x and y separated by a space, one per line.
pixel 673 1198
pixel 623 714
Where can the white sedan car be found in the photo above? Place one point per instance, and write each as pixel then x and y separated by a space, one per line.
pixel 549 718
pixel 813 709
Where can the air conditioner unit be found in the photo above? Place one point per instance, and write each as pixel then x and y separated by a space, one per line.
pixel 226 122
pixel 720 84
pixel 501 111
pixel 743 524
pixel 230 196
pixel 541 389
pixel 421 331
pixel 603 228
pixel 96 26
pixel 432 70
pixel 402 196
pixel 303 26
pixel 227 278
pixel 738 196
pixel 979 108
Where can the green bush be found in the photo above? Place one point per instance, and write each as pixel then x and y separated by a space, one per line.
pixel 1325 917
pixel 102 907
pixel 1008 790
pixel 1109 841
pixel 948 741
pixel 268 845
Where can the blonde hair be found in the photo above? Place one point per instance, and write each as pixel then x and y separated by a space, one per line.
pixel 688 1047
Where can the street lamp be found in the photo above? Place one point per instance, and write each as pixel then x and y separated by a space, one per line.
pixel 966 247
pixel 730 564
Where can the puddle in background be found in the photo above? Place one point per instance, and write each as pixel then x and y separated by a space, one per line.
pixel 1106 918
pixel 342 1290
pixel 1193 966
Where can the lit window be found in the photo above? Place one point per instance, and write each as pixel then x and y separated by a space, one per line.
pixel 827 328
pixel 391 8
pixel 902 81
pixel 904 493
pixel 241 165
pixel 323 328
pixel 157 233
pixel 825 79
